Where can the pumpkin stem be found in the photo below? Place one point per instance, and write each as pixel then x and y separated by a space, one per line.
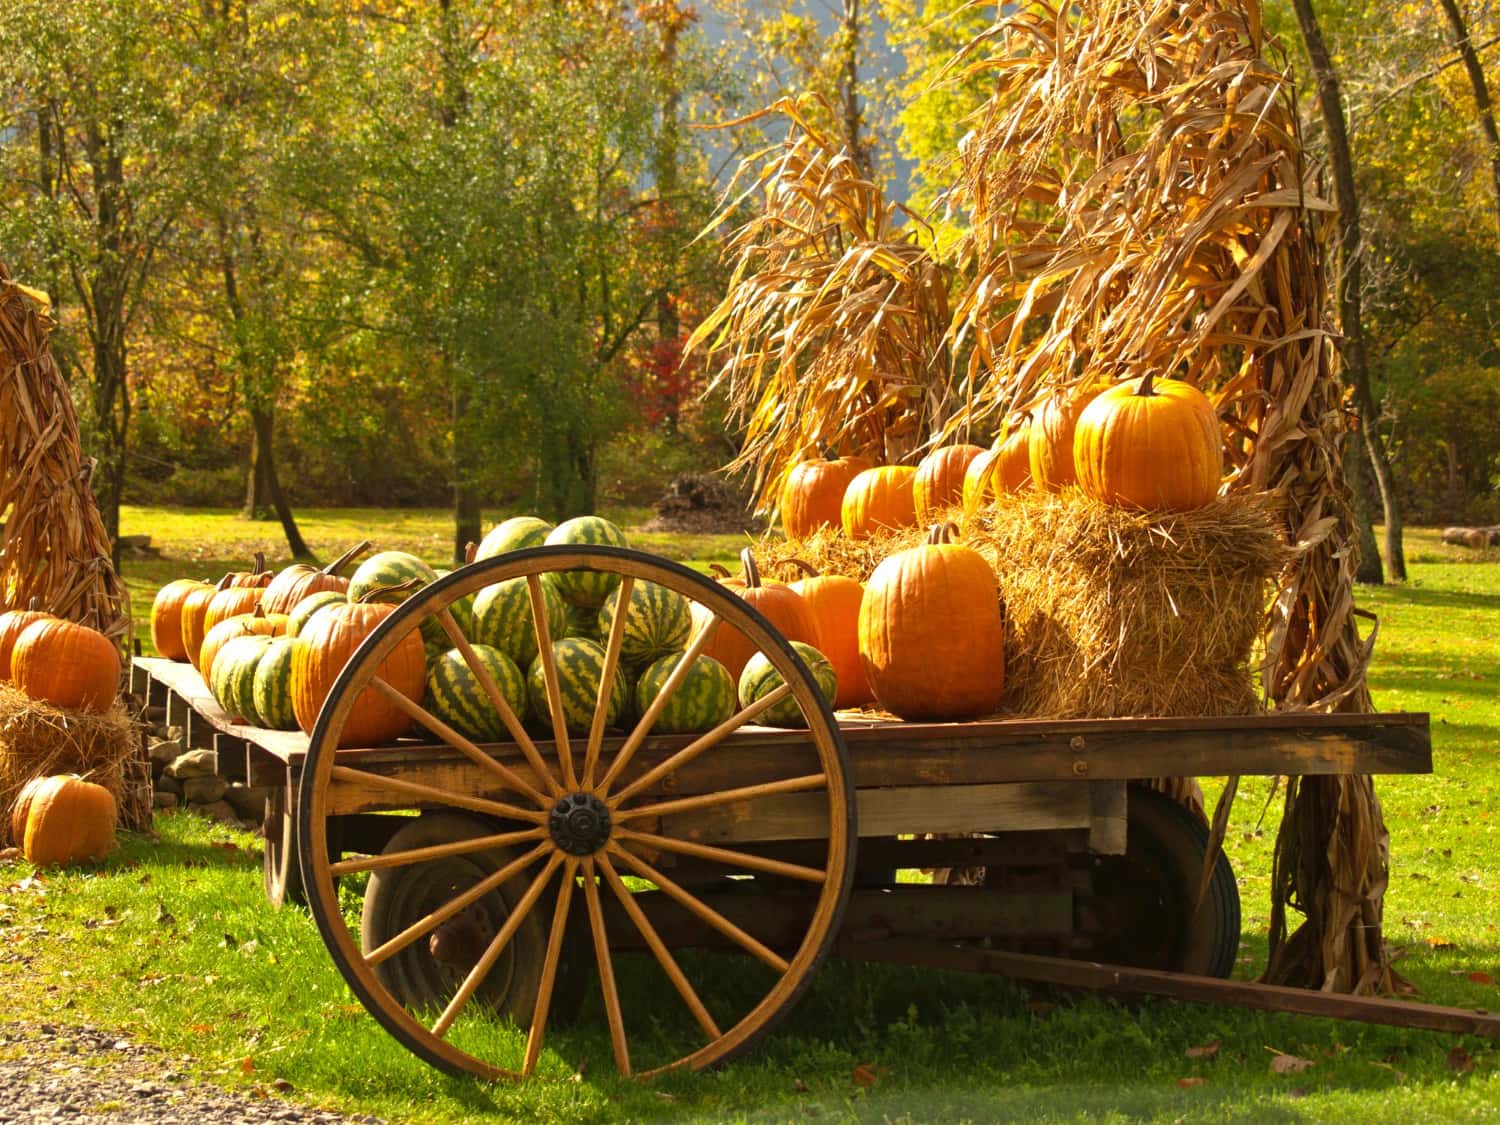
pixel 223 582
pixel 940 533
pixel 1144 390
pixel 260 563
pixel 348 557
pixel 803 565
pixel 34 605
pixel 719 571
pixel 375 593
pixel 752 572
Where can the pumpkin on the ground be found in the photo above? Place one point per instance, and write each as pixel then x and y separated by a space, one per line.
pixel 1151 445
pixel 879 498
pixel 813 494
pixel 22 807
pixel 68 820
pixel 67 665
pixel 13 623
pixel 301 580
pixel 323 648
pixel 1049 442
pixel 939 482
pixel 931 633
pixel 166 616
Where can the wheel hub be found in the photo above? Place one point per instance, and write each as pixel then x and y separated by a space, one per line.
pixel 579 824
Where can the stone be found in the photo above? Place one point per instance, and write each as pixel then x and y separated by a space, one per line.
pixel 165 784
pixel 203 790
pixel 163 800
pixel 164 751
pixel 195 763
pixel 218 810
pixel 248 801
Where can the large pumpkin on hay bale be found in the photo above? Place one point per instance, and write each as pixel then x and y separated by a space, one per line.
pixel 813 495
pixel 1049 441
pixel 13 623
pixel 939 482
pixel 931 634
pixel 300 580
pixel 1155 446
pixel 66 820
pixel 67 665
pixel 323 648
pixel 880 497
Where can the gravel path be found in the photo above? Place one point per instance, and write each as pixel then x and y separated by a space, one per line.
pixel 50 1073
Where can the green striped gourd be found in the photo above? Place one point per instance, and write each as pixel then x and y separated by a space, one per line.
pixel 271 686
pixel 580 669
pixel 513 534
pixel 233 676
pixel 302 612
pixel 586 587
pixel 462 610
pixel 455 695
pixel 703 700
pixel 395 568
pixel 658 623
pixel 760 679
pixel 502 618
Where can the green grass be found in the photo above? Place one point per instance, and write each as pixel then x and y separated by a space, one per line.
pixel 171 942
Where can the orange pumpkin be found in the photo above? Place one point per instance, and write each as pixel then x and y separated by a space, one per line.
pixel 783 608
pixel 166 616
pixel 1049 440
pixel 1149 445
pixel 300 579
pixel 880 497
pixel 813 495
pixel 13 623
pixel 979 479
pixel 66 664
pixel 931 634
pixel 194 609
pixel 1013 465
pixel 939 482
pixel 257 577
pixel 22 808
pixel 257 624
pixel 323 648
pixel 833 602
pixel 230 602
pixel 68 820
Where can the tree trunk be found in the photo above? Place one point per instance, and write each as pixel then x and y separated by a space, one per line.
pixel 467 527
pixel 1370 572
pixel 849 27
pixel 255 478
pixel 1482 106
pixel 1351 316
pixel 264 421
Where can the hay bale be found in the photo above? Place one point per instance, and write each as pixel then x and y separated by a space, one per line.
pixel 1109 612
pixel 37 740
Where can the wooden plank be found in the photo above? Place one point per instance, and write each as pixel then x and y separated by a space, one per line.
pixel 1107 817
pixel 1129 981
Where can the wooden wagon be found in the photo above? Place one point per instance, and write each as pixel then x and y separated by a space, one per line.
pixel 501 876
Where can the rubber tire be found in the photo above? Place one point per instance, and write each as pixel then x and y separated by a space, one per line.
pixel 1163 863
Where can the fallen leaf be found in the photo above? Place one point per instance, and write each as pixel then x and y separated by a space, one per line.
pixel 200 1028
pixel 1207 1051
pixel 1189 1083
pixel 247 1065
pixel 1441 943
pixel 1459 1060
pixel 865 1076
pixel 799 1085
pixel 1289 1064
pixel 1481 978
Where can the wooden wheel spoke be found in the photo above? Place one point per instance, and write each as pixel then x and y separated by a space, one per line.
pixel 699 745
pixel 459 742
pixel 726 856
pixel 663 955
pixel 549 676
pixel 459 902
pixel 607 679
pixel 648 720
pixel 700 909
pixel 432 793
pixel 436 851
pixel 606 970
pixel 498 701
pixel 724 797
pixel 496 947
pixel 549 966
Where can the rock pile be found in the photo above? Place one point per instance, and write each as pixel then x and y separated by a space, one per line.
pixel 186 778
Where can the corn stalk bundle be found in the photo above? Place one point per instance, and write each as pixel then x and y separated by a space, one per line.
pixel 53 547
pixel 831 335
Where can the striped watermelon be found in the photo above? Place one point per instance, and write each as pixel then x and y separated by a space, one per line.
pixel 512 535
pixel 462 610
pixel 392 568
pixel 502 618
pixel 586 587
pixel 703 700
pixel 302 612
pixel 583 621
pixel 233 676
pixel 580 668
pixel 658 623
pixel 454 694
pixel 759 679
pixel 271 686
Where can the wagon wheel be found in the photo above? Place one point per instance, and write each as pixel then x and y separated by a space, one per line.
pixel 583 825
pixel 281 873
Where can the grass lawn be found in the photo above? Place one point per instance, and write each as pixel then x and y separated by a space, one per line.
pixel 171 942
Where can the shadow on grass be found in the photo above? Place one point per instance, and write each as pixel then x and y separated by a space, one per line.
pixel 1431 597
